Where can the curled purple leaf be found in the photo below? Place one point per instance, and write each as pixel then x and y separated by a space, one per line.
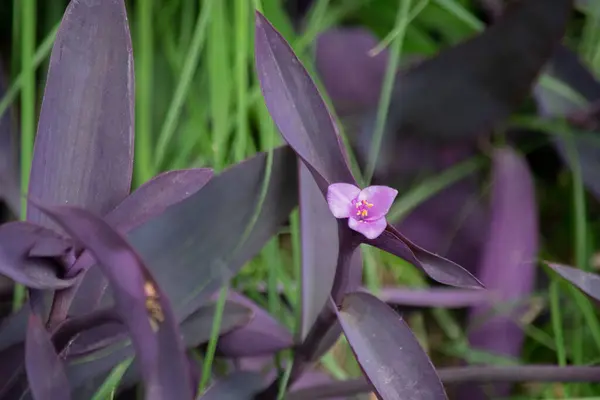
pixel 261 336
pixel 143 306
pixel 148 201
pixel 83 153
pixel 387 350
pixel 18 240
pixel 45 370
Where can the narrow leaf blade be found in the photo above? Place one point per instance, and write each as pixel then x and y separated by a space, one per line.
pixel 297 107
pixel 319 236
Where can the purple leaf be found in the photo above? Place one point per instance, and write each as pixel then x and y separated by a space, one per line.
pixel 227 204
pixel 83 154
pixel 170 247
pixel 587 282
pixel 435 297
pixel 479 74
pixel 145 203
pixel 450 223
pixel 438 268
pixel 508 264
pixel 302 117
pixel 320 244
pixel 351 76
pixel 261 336
pixel 17 239
pixel 387 351
pixel 45 370
pixel 297 107
pixel 236 386
pixel 153 197
pixel 142 304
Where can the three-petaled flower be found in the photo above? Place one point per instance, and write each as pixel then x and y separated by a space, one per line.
pixel 365 209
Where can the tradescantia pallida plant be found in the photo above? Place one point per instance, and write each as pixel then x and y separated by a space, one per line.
pixel 113 275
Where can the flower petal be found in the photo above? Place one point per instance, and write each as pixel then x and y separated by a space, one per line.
pixel 382 198
pixel 339 198
pixel 371 229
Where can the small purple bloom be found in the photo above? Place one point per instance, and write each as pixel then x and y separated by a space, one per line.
pixel 365 209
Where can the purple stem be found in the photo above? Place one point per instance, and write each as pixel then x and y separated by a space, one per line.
pixel 343 282
pixel 454 375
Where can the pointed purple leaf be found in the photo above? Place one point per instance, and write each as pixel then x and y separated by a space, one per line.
pixel 142 304
pixel 508 265
pixel 153 197
pixel 146 202
pixel 319 236
pixel 261 336
pixel 17 239
pixel 83 154
pixel 297 107
pixel 219 214
pixel 587 282
pixel 438 268
pixel 387 350
pixel 45 370
pixel 435 297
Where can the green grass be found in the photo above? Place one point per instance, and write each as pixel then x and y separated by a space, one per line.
pixel 198 104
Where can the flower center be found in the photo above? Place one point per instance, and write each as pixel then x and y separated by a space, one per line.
pixel 362 209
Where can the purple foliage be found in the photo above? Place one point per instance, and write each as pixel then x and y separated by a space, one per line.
pixel 508 265
pixel 113 274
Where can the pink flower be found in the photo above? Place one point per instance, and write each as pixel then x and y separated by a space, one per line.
pixel 365 209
